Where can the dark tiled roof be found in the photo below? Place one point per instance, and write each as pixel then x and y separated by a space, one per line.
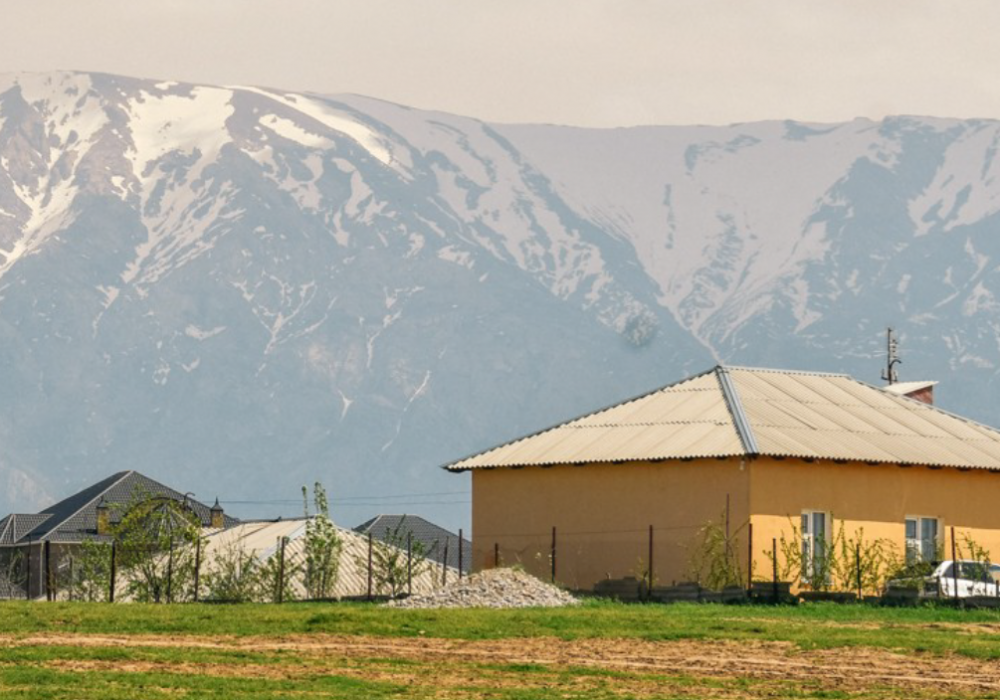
pixel 427 533
pixel 18 525
pixel 74 519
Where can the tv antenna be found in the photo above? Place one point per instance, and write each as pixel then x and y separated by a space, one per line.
pixel 892 358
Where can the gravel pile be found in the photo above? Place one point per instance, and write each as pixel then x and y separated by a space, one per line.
pixel 493 588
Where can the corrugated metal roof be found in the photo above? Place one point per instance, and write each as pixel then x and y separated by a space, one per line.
pixel 782 414
pixel 262 540
pixel 437 542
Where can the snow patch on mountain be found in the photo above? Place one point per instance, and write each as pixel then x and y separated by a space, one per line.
pixel 193 331
pixel 292 131
pixel 953 199
pixel 337 120
pixel 163 123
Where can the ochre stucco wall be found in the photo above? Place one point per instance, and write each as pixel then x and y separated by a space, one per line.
pixel 876 498
pixel 602 514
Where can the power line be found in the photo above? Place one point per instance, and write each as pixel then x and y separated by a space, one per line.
pixel 353 504
pixel 349 499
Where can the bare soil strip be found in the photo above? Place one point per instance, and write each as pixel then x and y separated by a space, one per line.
pixel 846 668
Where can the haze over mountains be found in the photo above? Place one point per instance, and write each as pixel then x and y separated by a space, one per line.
pixel 240 291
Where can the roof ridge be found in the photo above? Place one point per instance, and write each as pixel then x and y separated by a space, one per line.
pixel 8 525
pixel 124 475
pixel 740 420
pixel 778 370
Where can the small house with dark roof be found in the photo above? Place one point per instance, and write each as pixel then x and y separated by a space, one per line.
pixel 766 456
pixel 439 545
pixel 90 514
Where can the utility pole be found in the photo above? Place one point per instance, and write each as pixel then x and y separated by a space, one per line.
pixel 892 357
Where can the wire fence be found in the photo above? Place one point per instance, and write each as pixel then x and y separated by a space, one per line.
pixel 223 568
pixel 250 563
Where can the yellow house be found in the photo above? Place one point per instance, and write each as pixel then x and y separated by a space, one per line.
pixel 769 460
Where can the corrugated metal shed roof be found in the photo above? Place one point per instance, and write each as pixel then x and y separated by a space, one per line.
pixel 262 540
pixel 436 541
pixel 736 411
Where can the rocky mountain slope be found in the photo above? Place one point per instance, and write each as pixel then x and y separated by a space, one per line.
pixel 241 290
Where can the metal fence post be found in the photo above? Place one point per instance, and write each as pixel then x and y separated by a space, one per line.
pixel 649 589
pixel 47 563
pixel 496 555
pixel 111 578
pixel 774 568
pixel 280 593
pixel 857 559
pixel 369 566
pixel 728 541
pixel 197 566
pixel 170 570
pixel 553 554
pixel 27 583
pixel 954 564
pixel 749 557
pixel 409 563
pixel 444 564
pixel 71 578
pixel 459 554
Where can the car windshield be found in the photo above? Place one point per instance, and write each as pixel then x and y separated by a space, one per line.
pixel 973 571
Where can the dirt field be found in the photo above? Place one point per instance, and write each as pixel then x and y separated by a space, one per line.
pixel 639 669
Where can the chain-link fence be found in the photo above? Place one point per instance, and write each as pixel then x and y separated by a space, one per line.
pixel 309 559
pixel 246 563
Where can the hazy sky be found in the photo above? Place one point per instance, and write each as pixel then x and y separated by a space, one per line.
pixel 584 62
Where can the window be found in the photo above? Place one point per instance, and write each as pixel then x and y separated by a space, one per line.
pixel 970 571
pixel 921 539
pixel 814 546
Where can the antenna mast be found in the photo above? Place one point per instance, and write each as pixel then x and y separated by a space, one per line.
pixel 892 358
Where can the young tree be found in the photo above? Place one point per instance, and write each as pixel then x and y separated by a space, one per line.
pixel 322 546
pixel 277 577
pixel 13 574
pixel 234 575
pixel 156 541
pixel 390 565
pixel 715 558
pixel 91 579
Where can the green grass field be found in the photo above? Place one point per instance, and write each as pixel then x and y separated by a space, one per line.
pixel 40 659
pixel 819 625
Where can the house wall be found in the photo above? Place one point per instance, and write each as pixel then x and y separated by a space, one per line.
pixel 875 498
pixel 602 514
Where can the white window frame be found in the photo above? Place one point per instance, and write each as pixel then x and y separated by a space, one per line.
pixel 808 543
pixel 914 546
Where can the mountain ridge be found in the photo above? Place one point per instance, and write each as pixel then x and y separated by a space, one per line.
pixel 258 287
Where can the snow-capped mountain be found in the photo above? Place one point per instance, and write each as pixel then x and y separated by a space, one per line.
pixel 241 290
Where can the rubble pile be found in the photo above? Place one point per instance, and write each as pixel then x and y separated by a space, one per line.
pixel 493 588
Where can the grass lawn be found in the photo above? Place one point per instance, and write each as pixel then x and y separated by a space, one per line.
pixel 810 626
pixel 38 657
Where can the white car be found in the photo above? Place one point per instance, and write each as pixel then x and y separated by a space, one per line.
pixel 974 578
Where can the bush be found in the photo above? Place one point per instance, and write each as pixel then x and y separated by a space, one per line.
pixel 715 562
pixel 840 562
